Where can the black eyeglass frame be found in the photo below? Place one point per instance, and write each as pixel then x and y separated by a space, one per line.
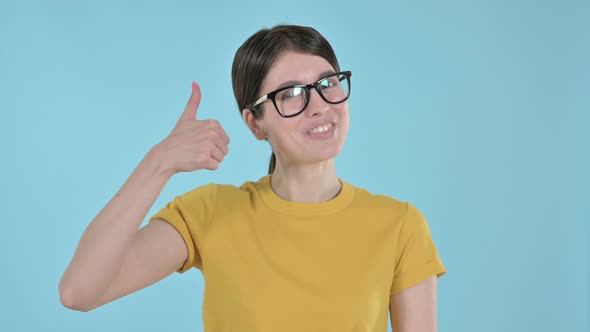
pixel 307 87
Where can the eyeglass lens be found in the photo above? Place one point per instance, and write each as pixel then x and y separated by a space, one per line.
pixel 333 88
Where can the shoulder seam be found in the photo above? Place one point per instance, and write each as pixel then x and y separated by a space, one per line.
pixel 403 225
pixel 213 209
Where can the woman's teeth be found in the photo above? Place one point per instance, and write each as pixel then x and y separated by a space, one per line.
pixel 320 129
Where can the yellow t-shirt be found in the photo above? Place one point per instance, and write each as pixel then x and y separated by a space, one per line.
pixel 270 264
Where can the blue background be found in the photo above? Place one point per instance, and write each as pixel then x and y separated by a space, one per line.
pixel 474 111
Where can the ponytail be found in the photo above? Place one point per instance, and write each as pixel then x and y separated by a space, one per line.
pixel 273 161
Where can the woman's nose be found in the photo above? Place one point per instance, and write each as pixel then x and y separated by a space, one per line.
pixel 316 104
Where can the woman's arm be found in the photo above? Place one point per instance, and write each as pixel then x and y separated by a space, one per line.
pixel 113 258
pixel 414 309
pixel 112 240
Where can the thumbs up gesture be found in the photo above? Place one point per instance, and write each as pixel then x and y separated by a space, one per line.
pixel 193 144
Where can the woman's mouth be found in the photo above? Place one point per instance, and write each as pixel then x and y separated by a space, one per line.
pixel 322 132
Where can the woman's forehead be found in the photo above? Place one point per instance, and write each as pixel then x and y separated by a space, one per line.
pixel 296 67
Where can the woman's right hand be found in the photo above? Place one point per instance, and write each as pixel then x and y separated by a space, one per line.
pixel 193 144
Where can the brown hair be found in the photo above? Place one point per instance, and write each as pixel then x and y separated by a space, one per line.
pixel 255 57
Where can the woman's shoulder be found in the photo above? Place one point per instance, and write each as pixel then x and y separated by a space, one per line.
pixel 375 200
pixel 376 197
pixel 387 203
pixel 224 189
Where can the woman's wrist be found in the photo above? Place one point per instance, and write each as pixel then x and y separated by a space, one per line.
pixel 155 160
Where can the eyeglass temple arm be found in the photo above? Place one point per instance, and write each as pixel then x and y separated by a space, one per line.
pixel 259 101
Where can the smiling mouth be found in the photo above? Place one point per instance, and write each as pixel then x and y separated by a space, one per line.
pixel 321 129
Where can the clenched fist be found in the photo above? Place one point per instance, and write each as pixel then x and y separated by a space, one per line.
pixel 193 144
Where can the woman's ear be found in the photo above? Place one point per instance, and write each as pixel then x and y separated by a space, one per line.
pixel 254 125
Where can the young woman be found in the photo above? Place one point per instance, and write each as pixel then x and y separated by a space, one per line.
pixel 297 250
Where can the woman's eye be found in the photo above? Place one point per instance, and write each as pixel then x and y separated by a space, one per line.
pixel 291 93
pixel 329 82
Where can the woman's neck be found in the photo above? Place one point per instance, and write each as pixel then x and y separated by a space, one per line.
pixel 309 183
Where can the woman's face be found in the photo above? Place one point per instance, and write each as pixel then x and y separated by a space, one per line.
pixel 292 139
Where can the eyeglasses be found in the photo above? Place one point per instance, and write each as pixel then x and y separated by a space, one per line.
pixel 292 100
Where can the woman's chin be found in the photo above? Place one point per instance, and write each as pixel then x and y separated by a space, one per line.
pixel 324 155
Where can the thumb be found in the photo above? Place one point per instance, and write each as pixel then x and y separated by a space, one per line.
pixel 190 111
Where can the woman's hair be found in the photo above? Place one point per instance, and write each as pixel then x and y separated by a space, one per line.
pixel 255 57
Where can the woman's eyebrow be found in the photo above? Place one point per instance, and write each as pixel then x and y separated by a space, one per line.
pixel 285 84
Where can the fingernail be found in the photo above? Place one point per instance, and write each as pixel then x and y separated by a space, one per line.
pixel 194 86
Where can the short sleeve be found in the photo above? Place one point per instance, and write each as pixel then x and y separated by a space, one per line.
pixel 416 258
pixel 190 215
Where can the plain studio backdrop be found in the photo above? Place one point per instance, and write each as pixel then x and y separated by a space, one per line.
pixel 477 112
